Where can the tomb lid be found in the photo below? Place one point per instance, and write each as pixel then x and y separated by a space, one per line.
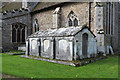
pixel 61 32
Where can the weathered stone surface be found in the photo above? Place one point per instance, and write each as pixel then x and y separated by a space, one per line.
pixel 119 27
pixel 49 60
pixel 69 31
pixel 16 53
pixel 22 47
pixel 0 29
pixel 7 30
pixel 45 19
pixel 59 43
pixel 33 47
pixel 76 64
pixel 92 44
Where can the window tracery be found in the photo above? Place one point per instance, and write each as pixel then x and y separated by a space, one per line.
pixel 72 19
pixel 18 33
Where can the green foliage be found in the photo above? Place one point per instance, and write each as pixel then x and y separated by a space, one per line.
pixel 29 68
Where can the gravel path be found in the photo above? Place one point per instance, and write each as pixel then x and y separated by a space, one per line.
pixel 7 76
pixel 12 77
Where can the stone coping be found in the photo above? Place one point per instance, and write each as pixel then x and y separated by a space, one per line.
pixel 76 64
pixel 16 53
pixel 49 60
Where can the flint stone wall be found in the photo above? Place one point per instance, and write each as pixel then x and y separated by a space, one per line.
pixel 7 22
pixel 45 18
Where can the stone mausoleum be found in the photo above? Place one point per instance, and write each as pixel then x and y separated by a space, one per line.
pixel 69 43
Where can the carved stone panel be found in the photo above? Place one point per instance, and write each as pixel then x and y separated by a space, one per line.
pixel 64 50
pixel 33 47
pixel 46 45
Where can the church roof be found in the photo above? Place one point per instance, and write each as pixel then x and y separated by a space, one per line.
pixel 69 31
pixel 10 6
pixel 33 6
pixel 42 5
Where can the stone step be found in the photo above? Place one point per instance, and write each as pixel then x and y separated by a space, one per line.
pixel 22 47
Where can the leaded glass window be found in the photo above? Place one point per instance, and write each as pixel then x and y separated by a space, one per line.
pixel 35 26
pixel 75 22
pixel 18 33
pixel 70 22
pixel 72 19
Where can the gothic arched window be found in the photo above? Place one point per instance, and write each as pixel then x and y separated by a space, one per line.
pixel 18 33
pixel 23 34
pixel 70 22
pixel 38 28
pixel 72 19
pixel 75 22
pixel 13 34
pixel 109 18
pixel 35 26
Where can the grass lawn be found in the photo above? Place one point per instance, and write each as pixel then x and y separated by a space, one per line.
pixel 28 68
pixel 0 66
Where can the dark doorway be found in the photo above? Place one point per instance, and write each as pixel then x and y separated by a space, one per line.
pixel 84 45
pixel 39 47
pixel 28 47
pixel 54 49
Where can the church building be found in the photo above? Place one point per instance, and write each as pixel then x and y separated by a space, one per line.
pixel 61 30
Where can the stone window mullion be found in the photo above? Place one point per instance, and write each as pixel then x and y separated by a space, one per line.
pixel 18 33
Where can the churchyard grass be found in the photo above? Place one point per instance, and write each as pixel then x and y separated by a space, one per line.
pixel 0 66
pixel 17 66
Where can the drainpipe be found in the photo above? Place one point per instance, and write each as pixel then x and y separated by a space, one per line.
pixel 90 15
pixel 35 5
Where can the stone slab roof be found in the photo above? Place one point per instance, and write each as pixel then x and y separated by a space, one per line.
pixel 11 6
pixel 42 5
pixel 69 31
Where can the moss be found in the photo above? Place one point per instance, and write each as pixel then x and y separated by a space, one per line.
pixel 84 26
